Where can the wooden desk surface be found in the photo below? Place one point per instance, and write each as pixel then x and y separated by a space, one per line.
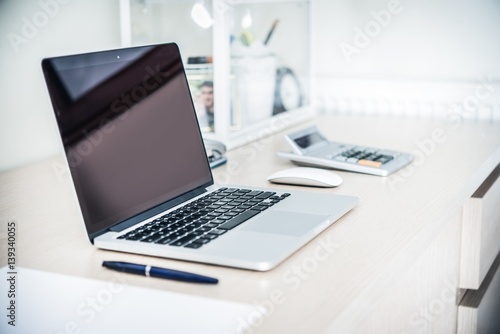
pixel 332 282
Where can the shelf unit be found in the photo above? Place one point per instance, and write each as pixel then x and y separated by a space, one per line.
pixel 237 93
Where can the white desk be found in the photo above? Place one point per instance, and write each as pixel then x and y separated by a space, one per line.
pixel 390 265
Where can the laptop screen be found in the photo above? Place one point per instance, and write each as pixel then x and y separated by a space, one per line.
pixel 129 130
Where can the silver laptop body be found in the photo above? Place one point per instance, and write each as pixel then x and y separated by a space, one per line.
pixel 138 163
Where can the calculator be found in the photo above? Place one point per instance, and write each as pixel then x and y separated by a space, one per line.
pixel 311 148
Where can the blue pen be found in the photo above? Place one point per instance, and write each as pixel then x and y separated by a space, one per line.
pixel 140 269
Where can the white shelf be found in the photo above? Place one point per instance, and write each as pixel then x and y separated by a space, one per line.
pixel 151 22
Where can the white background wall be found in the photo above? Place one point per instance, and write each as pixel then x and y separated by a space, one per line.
pixel 441 39
pixel 417 58
pixel 426 40
pixel 27 128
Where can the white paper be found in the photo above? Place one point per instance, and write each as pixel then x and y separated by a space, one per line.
pixel 51 303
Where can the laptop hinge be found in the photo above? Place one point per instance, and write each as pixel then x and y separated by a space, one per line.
pixel 150 213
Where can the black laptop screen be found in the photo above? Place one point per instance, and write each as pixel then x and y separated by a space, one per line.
pixel 129 130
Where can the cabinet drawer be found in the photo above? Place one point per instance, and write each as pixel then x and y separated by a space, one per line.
pixel 480 232
pixel 479 310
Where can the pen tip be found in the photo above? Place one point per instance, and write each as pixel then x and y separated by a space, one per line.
pixel 106 264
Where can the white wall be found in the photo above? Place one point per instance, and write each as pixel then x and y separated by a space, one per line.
pixel 417 58
pixel 27 128
pixel 423 39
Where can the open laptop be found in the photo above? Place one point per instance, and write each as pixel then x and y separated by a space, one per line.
pixel 141 174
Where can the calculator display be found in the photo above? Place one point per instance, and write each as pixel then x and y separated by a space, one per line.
pixel 309 140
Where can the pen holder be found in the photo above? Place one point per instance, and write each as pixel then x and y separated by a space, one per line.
pixel 255 81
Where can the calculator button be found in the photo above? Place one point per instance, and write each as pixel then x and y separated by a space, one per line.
pixel 370 163
pixel 340 158
pixel 353 160
pixel 384 159
pixel 372 157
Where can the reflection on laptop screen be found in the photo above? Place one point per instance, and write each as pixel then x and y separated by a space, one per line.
pixel 126 119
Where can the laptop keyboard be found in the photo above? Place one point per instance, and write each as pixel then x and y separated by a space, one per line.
pixel 205 219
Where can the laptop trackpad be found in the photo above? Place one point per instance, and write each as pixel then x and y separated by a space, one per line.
pixel 285 223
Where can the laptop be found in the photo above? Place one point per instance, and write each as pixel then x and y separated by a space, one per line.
pixel 141 174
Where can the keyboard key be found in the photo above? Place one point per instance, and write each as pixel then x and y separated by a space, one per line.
pixel 175 234
pixel 160 234
pixel 216 232
pixel 151 238
pixel 194 245
pixel 183 240
pixel 135 237
pixel 254 193
pixel 166 240
pixel 168 229
pixel 239 201
pixel 232 214
pixel 210 200
pixel 230 224
pixel 260 207
pixel 185 230
pixel 186 221
pixel 265 195
pixel 142 235
pixel 217 197
pixel 203 240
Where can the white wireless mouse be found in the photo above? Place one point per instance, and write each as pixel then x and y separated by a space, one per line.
pixel 306 176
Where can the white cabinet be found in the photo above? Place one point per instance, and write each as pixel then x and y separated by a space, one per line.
pixel 480 232
pixel 479 310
